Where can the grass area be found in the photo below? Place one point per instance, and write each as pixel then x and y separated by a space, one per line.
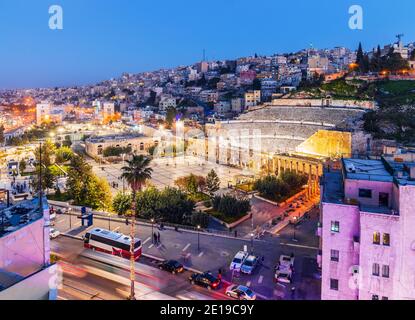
pixel 198 197
pixel 224 218
pixel 279 198
pixel 63 197
pixel 246 187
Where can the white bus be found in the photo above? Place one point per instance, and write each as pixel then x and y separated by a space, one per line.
pixel 111 242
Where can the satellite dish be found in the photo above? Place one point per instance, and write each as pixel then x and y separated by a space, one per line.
pixel 15 220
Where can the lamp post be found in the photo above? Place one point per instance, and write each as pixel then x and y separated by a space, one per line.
pixel 198 238
pixel 294 226
pixel 252 242
pixel 152 232
pixel 123 180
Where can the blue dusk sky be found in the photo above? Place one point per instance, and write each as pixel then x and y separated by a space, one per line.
pixel 103 38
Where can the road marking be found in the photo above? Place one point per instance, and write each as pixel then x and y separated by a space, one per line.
pixel 60 221
pixel 151 246
pixel 186 247
pixel 261 278
pixel 248 284
pixel 116 229
pixel 201 254
pixel 147 240
pixel 298 246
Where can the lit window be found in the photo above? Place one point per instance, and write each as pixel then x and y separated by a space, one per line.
pixel 334 255
pixel 334 284
pixel 386 239
pixel 385 271
pixel 375 269
pixel 376 238
pixel 335 226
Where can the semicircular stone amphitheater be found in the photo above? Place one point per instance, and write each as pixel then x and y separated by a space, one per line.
pixel 286 129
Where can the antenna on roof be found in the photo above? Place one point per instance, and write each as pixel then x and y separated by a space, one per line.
pixel 399 37
pixel 204 55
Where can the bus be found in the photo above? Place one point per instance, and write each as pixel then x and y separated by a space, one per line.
pixel 111 242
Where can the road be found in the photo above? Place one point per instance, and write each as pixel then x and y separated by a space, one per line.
pixel 89 275
pixel 216 253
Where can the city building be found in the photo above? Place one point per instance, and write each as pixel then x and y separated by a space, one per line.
pixel 252 98
pixel 25 269
pixel 43 111
pixel 138 143
pixel 366 229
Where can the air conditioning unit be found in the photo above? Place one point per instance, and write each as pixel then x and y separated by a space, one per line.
pixel 355 269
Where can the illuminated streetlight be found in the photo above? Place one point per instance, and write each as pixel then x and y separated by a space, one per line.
pixel 198 238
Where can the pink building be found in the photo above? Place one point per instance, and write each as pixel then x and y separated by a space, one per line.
pixel 25 269
pixel 367 230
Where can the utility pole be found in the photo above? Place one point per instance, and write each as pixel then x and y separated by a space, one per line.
pixel 132 247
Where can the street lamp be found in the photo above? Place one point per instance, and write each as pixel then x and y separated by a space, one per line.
pixel 123 180
pixel 198 238
pixel 294 226
pixel 152 227
pixel 252 242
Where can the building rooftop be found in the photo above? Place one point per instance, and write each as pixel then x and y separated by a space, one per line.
pixel 371 170
pixel 119 137
pixel 20 215
pixel 333 191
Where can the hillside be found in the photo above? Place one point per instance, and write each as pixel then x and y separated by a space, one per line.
pixel 395 117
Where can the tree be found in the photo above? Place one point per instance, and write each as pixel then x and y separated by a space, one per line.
pixel 2 138
pixel 22 166
pixel 170 116
pixel 191 183
pixel 362 60
pixel 212 182
pixel 63 154
pixel 230 206
pixel 136 173
pixel 122 203
pixel 48 151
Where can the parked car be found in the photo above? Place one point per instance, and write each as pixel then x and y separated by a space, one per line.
pixel 284 269
pixel 206 280
pixel 249 265
pixel 238 260
pixel 172 266
pixel 240 292
pixel 53 233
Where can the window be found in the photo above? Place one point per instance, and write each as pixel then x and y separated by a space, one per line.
pixel 375 297
pixel 334 284
pixel 383 199
pixel 335 226
pixel 385 271
pixel 375 269
pixel 386 239
pixel 365 193
pixel 334 255
pixel 376 238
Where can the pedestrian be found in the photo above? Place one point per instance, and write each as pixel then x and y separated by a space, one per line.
pixel 292 292
pixel 220 274
pixel 158 238
pixel 236 233
pixel 154 238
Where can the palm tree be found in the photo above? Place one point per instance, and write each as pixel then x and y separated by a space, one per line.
pixel 135 173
